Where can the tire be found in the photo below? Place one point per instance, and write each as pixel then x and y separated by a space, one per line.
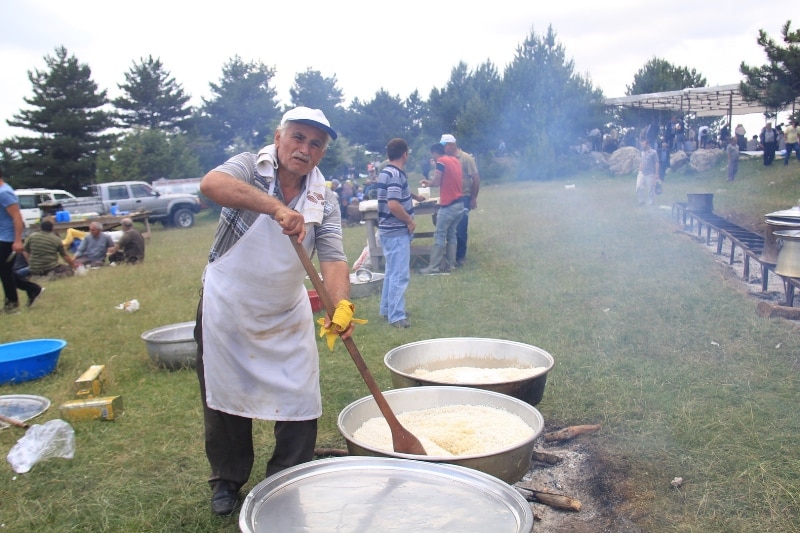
pixel 183 218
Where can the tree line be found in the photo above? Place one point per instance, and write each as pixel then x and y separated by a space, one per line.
pixel 539 107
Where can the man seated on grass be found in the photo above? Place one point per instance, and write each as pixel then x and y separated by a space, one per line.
pixel 130 247
pixel 42 250
pixel 94 247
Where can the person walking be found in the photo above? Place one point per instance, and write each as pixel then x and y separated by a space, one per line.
pixel 11 228
pixel 446 176
pixel 257 354
pixel 648 174
pixel 396 229
pixel 791 135
pixel 470 186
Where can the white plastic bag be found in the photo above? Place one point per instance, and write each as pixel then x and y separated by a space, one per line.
pixel 55 438
pixel 363 259
pixel 129 306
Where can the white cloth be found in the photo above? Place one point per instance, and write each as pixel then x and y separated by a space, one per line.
pixel 260 352
pixel 312 204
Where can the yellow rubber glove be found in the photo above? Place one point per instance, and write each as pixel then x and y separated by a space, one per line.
pixel 342 317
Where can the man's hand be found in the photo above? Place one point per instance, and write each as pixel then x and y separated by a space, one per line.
pixel 291 222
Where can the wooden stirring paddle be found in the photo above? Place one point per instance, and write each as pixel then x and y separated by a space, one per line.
pixel 403 440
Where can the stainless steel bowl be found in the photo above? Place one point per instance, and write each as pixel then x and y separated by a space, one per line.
pixel 509 464
pixel 361 289
pixel 437 354
pixel 357 494
pixel 172 346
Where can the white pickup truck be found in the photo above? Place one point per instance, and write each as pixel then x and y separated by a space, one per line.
pixel 131 196
pixel 29 200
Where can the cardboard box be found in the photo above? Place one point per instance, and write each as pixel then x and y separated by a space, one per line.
pixel 106 408
pixel 92 383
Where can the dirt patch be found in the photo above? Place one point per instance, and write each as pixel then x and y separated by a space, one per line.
pixel 585 474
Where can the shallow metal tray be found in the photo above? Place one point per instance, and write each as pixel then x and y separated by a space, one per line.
pixel 357 494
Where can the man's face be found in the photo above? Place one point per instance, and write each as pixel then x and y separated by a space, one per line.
pixel 95 231
pixel 450 148
pixel 300 148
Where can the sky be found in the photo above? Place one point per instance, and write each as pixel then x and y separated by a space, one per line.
pixel 369 46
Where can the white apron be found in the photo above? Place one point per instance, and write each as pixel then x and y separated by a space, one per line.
pixel 260 352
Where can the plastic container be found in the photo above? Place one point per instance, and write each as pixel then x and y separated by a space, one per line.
pixel 28 360
pixel 114 210
pixel 316 302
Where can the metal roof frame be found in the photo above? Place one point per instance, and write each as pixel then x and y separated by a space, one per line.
pixel 720 100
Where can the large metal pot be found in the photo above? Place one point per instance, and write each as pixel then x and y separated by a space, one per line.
pixel 700 202
pixel 437 354
pixel 509 464
pixel 771 245
pixel 789 255
pixel 358 494
pixel 172 346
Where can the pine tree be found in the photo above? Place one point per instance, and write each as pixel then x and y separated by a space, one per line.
pixel 153 99
pixel 68 117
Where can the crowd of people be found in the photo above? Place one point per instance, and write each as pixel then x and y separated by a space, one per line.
pixel 43 254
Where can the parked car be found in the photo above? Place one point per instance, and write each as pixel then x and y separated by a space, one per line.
pixel 29 200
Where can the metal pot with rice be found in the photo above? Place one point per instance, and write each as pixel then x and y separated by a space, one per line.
pixel 513 368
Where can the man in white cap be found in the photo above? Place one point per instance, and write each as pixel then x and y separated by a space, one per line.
pixel 469 191
pixel 257 353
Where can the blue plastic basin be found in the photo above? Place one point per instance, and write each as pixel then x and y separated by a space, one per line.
pixel 28 360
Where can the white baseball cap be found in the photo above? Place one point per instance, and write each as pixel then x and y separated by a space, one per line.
pixel 312 117
pixel 447 138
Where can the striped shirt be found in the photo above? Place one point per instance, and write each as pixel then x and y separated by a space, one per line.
pixel 233 223
pixel 393 185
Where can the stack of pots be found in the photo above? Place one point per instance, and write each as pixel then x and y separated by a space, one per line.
pixel 779 221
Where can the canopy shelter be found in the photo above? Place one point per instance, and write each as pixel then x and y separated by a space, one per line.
pixel 715 101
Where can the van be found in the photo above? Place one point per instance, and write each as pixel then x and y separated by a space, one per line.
pixel 29 200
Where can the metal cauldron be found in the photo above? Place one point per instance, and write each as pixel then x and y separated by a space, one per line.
pixel 700 202
pixel 789 255
pixel 509 464
pixel 771 245
pixel 437 354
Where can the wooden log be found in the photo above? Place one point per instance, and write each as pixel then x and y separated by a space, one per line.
pixel 557 501
pixel 570 432
pixel 544 457
pixel 330 452
pixel 13 422
pixel 768 310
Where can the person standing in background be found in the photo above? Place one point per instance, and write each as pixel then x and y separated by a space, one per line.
pixel 648 174
pixel 791 142
pixel 447 177
pixel 769 143
pixel 11 228
pixel 733 158
pixel 741 140
pixel 396 229
pixel 470 185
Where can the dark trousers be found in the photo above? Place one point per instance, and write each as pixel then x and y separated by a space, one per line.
pixel 11 282
pixel 769 152
pixel 462 231
pixel 229 438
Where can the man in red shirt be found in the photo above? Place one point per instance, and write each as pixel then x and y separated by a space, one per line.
pixel 447 177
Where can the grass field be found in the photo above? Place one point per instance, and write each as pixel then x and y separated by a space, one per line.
pixel 652 338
